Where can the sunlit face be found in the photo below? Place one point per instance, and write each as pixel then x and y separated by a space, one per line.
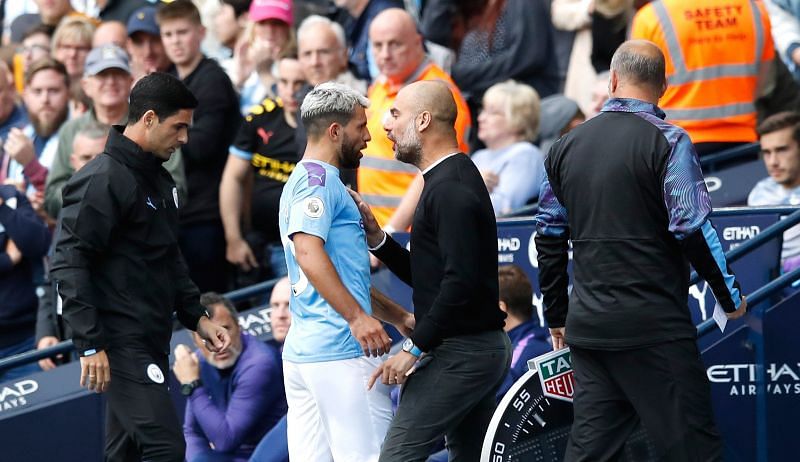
pixel 84 149
pixel 108 88
pixel 280 317
pixel 321 55
pixel 781 155
pixel 72 53
pixel 46 97
pixel 397 53
pixel 147 52
pixel 493 122
pixel 167 136
pixel 228 358
pixel 290 80
pixel 34 47
pixel 400 127
pixel 226 27
pixel 181 38
pixel 355 137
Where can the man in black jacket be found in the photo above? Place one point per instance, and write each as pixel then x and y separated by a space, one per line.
pixel 216 121
pixel 121 275
pixel 453 271
pixel 626 188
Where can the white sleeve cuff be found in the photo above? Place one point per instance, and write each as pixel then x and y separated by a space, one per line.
pixel 383 241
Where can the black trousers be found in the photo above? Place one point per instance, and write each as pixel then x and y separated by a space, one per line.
pixel 141 424
pixel 664 386
pixel 451 394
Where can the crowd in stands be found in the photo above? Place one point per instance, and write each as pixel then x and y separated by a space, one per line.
pixel 523 73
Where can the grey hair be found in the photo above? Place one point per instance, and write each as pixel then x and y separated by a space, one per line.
pixel 327 103
pixel 315 19
pixel 94 131
pixel 639 67
pixel 521 105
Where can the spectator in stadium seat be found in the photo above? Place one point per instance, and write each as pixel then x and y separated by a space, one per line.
pixel 390 187
pixel 784 16
pixel 107 81
pixel 72 42
pixel 274 445
pixel 780 148
pixel 234 397
pixel 216 120
pixel 24 239
pixel 511 166
pixel 322 50
pixel 89 142
pixel 12 115
pixel 714 74
pixel 264 150
pixel 110 32
pixel 144 44
pixel 361 13
pixel 35 45
pixel 528 338
pixel 519 46
pixel 559 115
pixel 33 147
pixel 268 37
pixel 51 13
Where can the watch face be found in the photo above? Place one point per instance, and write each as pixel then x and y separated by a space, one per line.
pixel 187 389
pixel 408 344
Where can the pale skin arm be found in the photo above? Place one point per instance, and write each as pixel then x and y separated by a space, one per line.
pixel 231 200
pixel 404 215
pixel 317 266
pixel 387 310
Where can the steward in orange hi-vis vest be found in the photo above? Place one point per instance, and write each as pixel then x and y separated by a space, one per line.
pixel 715 51
pixel 382 180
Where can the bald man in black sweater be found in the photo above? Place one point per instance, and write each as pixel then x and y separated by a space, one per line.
pixel 459 340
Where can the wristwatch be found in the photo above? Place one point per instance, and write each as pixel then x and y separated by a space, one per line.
pixel 188 388
pixel 409 347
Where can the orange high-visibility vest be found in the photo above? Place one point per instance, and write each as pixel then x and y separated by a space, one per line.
pixel 714 51
pixel 382 180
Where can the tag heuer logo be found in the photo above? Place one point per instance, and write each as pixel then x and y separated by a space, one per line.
pixel 556 375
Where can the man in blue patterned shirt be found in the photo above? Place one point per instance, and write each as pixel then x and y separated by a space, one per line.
pixel 626 188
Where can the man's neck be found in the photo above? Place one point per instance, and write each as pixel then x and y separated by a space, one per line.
pixel 511 323
pixel 110 115
pixel 186 69
pixel 432 154
pixel 321 152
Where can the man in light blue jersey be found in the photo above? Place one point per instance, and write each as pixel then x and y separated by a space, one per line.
pixel 334 342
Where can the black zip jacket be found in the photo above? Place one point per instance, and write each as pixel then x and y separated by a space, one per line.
pixel 117 265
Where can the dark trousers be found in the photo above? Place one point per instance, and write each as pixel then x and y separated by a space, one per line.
pixel 664 386
pixel 451 394
pixel 141 424
pixel 203 248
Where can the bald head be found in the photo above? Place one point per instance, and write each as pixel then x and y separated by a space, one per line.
pixel 396 43
pixel 110 32
pixel 434 97
pixel 640 64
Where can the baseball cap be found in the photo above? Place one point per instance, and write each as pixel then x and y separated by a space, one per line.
pixel 143 20
pixel 271 9
pixel 106 57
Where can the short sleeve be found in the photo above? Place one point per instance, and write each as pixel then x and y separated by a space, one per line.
pixel 245 143
pixel 313 203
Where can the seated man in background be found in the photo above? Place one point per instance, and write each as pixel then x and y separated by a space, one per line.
pixel 528 338
pixel 234 397
pixel 780 148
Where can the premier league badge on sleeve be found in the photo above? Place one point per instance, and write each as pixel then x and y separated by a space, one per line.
pixel 313 207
